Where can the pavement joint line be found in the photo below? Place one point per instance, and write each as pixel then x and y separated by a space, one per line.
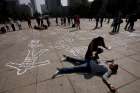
pixel 129 83
pixel 59 58
pixel 17 87
pixel 127 55
pixel 129 72
pixel 134 58
pixel 74 90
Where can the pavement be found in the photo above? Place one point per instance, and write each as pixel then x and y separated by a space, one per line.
pixel 29 58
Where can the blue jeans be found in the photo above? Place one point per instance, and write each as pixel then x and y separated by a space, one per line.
pixel 83 68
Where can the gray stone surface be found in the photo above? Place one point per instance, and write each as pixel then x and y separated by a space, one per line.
pixel 60 40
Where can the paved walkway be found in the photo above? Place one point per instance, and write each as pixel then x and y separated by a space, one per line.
pixel 28 59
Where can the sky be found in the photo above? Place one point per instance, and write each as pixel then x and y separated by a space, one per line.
pixel 64 2
pixel 90 0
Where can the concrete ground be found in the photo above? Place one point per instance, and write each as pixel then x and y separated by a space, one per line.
pixel 28 59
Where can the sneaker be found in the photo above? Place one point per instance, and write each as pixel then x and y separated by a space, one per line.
pixel 56 73
pixel 64 58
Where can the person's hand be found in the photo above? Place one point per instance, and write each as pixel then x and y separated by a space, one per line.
pixel 109 48
pixel 113 89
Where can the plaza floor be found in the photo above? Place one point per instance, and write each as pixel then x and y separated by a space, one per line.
pixel 28 59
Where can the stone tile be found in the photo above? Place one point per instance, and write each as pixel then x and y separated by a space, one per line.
pixel 59 85
pixel 88 85
pixel 131 88
pixel 129 65
pixel 136 57
pixel 59 41
pixel 125 51
pixel 45 72
pixel 121 78
pixel 111 54
pixel 26 89
pixel 2 82
pixel 14 81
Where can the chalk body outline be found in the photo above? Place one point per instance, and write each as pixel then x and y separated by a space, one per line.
pixel 31 58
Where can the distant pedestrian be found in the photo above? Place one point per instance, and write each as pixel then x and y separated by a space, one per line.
pixel 69 20
pixel 101 21
pixel 29 22
pixel 108 21
pixel 41 22
pixel 38 20
pixel 64 21
pixel 13 27
pixel 77 22
pixel 132 19
pixel 116 24
pixel 97 21
pixel 12 24
pixel 3 30
pixel 7 28
pixel 48 21
pixel 19 24
pixel 56 20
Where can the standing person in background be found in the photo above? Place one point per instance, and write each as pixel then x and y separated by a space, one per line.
pixel 29 22
pixel 48 21
pixel 116 24
pixel 7 28
pixel 127 23
pixel 19 24
pixel 64 21
pixel 12 24
pixel 56 20
pixel 42 22
pixel 69 20
pixel 38 21
pixel 132 19
pixel 97 21
pixel 77 22
pixel 101 21
pixel 2 29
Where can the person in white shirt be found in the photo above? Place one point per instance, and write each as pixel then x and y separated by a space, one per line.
pixel 102 69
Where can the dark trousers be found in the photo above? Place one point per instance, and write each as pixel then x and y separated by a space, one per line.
pixel 116 28
pixel 131 26
pixel 84 68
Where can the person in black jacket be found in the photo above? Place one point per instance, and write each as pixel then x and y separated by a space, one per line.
pixel 94 47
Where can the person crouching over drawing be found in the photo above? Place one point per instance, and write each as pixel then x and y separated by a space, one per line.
pixel 94 47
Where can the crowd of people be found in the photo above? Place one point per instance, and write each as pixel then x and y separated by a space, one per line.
pixel 11 25
pixel 72 21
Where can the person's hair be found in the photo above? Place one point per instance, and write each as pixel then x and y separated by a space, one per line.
pixel 114 68
pixel 100 38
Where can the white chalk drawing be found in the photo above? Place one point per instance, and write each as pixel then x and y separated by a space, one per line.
pixel 61 44
pixel 31 60
pixel 78 51
pixel 135 34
